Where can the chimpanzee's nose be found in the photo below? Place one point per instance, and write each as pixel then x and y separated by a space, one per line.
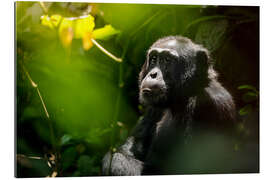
pixel 153 75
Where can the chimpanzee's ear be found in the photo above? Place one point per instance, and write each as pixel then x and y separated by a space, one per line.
pixel 203 60
pixel 203 57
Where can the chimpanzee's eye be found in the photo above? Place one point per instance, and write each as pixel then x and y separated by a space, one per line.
pixel 166 59
pixel 153 60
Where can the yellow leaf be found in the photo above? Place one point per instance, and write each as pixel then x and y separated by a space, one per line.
pixel 84 25
pixel 55 19
pixel 46 21
pixel 66 32
pixel 87 43
pixel 66 23
pixel 66 36
pixel 105 32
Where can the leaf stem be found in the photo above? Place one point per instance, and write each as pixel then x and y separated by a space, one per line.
pixel 106 52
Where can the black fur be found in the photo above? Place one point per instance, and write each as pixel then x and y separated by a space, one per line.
pixel 184 101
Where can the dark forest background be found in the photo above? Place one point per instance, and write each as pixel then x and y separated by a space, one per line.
pixel 74 101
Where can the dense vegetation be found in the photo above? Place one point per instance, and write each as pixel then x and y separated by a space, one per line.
pixel 77 68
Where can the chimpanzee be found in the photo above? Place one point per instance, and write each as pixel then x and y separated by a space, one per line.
pixel 187 110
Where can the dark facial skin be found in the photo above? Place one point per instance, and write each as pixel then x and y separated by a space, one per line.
pixel 157 84
pixel 169 66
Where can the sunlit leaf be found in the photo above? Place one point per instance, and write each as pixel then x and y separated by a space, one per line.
pixel 105 32
pixel 65 139
pixel 66 23
pixel 87 43
pixel 120 124
pixel 55 19
pixel 46 21
pixel 84 25
pixel 245 110
pixel 249 87
pixel 66 36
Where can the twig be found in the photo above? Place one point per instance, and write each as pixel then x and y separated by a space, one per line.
pixel 53 139
pixel 106 52
pixel 39 94
pixel 42 5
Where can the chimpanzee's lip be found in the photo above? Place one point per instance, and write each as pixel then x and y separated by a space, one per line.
pixel 146 91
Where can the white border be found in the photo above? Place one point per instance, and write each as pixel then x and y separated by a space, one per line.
pixel 189 2
pixel 7 87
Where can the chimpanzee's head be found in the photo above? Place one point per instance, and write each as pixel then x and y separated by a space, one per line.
pixel 175 67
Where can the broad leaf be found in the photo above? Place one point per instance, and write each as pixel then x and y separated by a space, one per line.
pixel 65 139
pixel 84 25
pixel 87 43
pixel 55 19
pixel 250 96
pixel 249 87
pixel 245 110
pixel 46 21
pixel 105 33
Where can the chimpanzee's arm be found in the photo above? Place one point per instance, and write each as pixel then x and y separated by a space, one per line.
pixel 129 158
pixel 123 161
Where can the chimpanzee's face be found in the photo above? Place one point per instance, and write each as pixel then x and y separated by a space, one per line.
pixel 162 67
pixel 170 71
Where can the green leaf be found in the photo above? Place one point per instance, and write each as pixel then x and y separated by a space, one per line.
pixel 68 157
pixel 203 19
pixel 249 96
pixel 65 139
pixel 105 33
pixel 245 110
pixel 95 135
pixel 212 33
pixel 30 112
pixel 86 165
pixel 249 87
pixel 123 134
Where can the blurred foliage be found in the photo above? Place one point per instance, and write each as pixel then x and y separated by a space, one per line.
pixel 68 50
pixel 251 97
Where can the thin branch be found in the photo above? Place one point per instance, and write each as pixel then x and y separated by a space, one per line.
pixel 106 52
pixel 39 94
pixel 43 104
pixel 42 5
pixel 53 138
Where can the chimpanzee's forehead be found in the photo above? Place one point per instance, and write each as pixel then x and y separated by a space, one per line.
pixel 161 50
pixel 174 46
pixel 169 44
